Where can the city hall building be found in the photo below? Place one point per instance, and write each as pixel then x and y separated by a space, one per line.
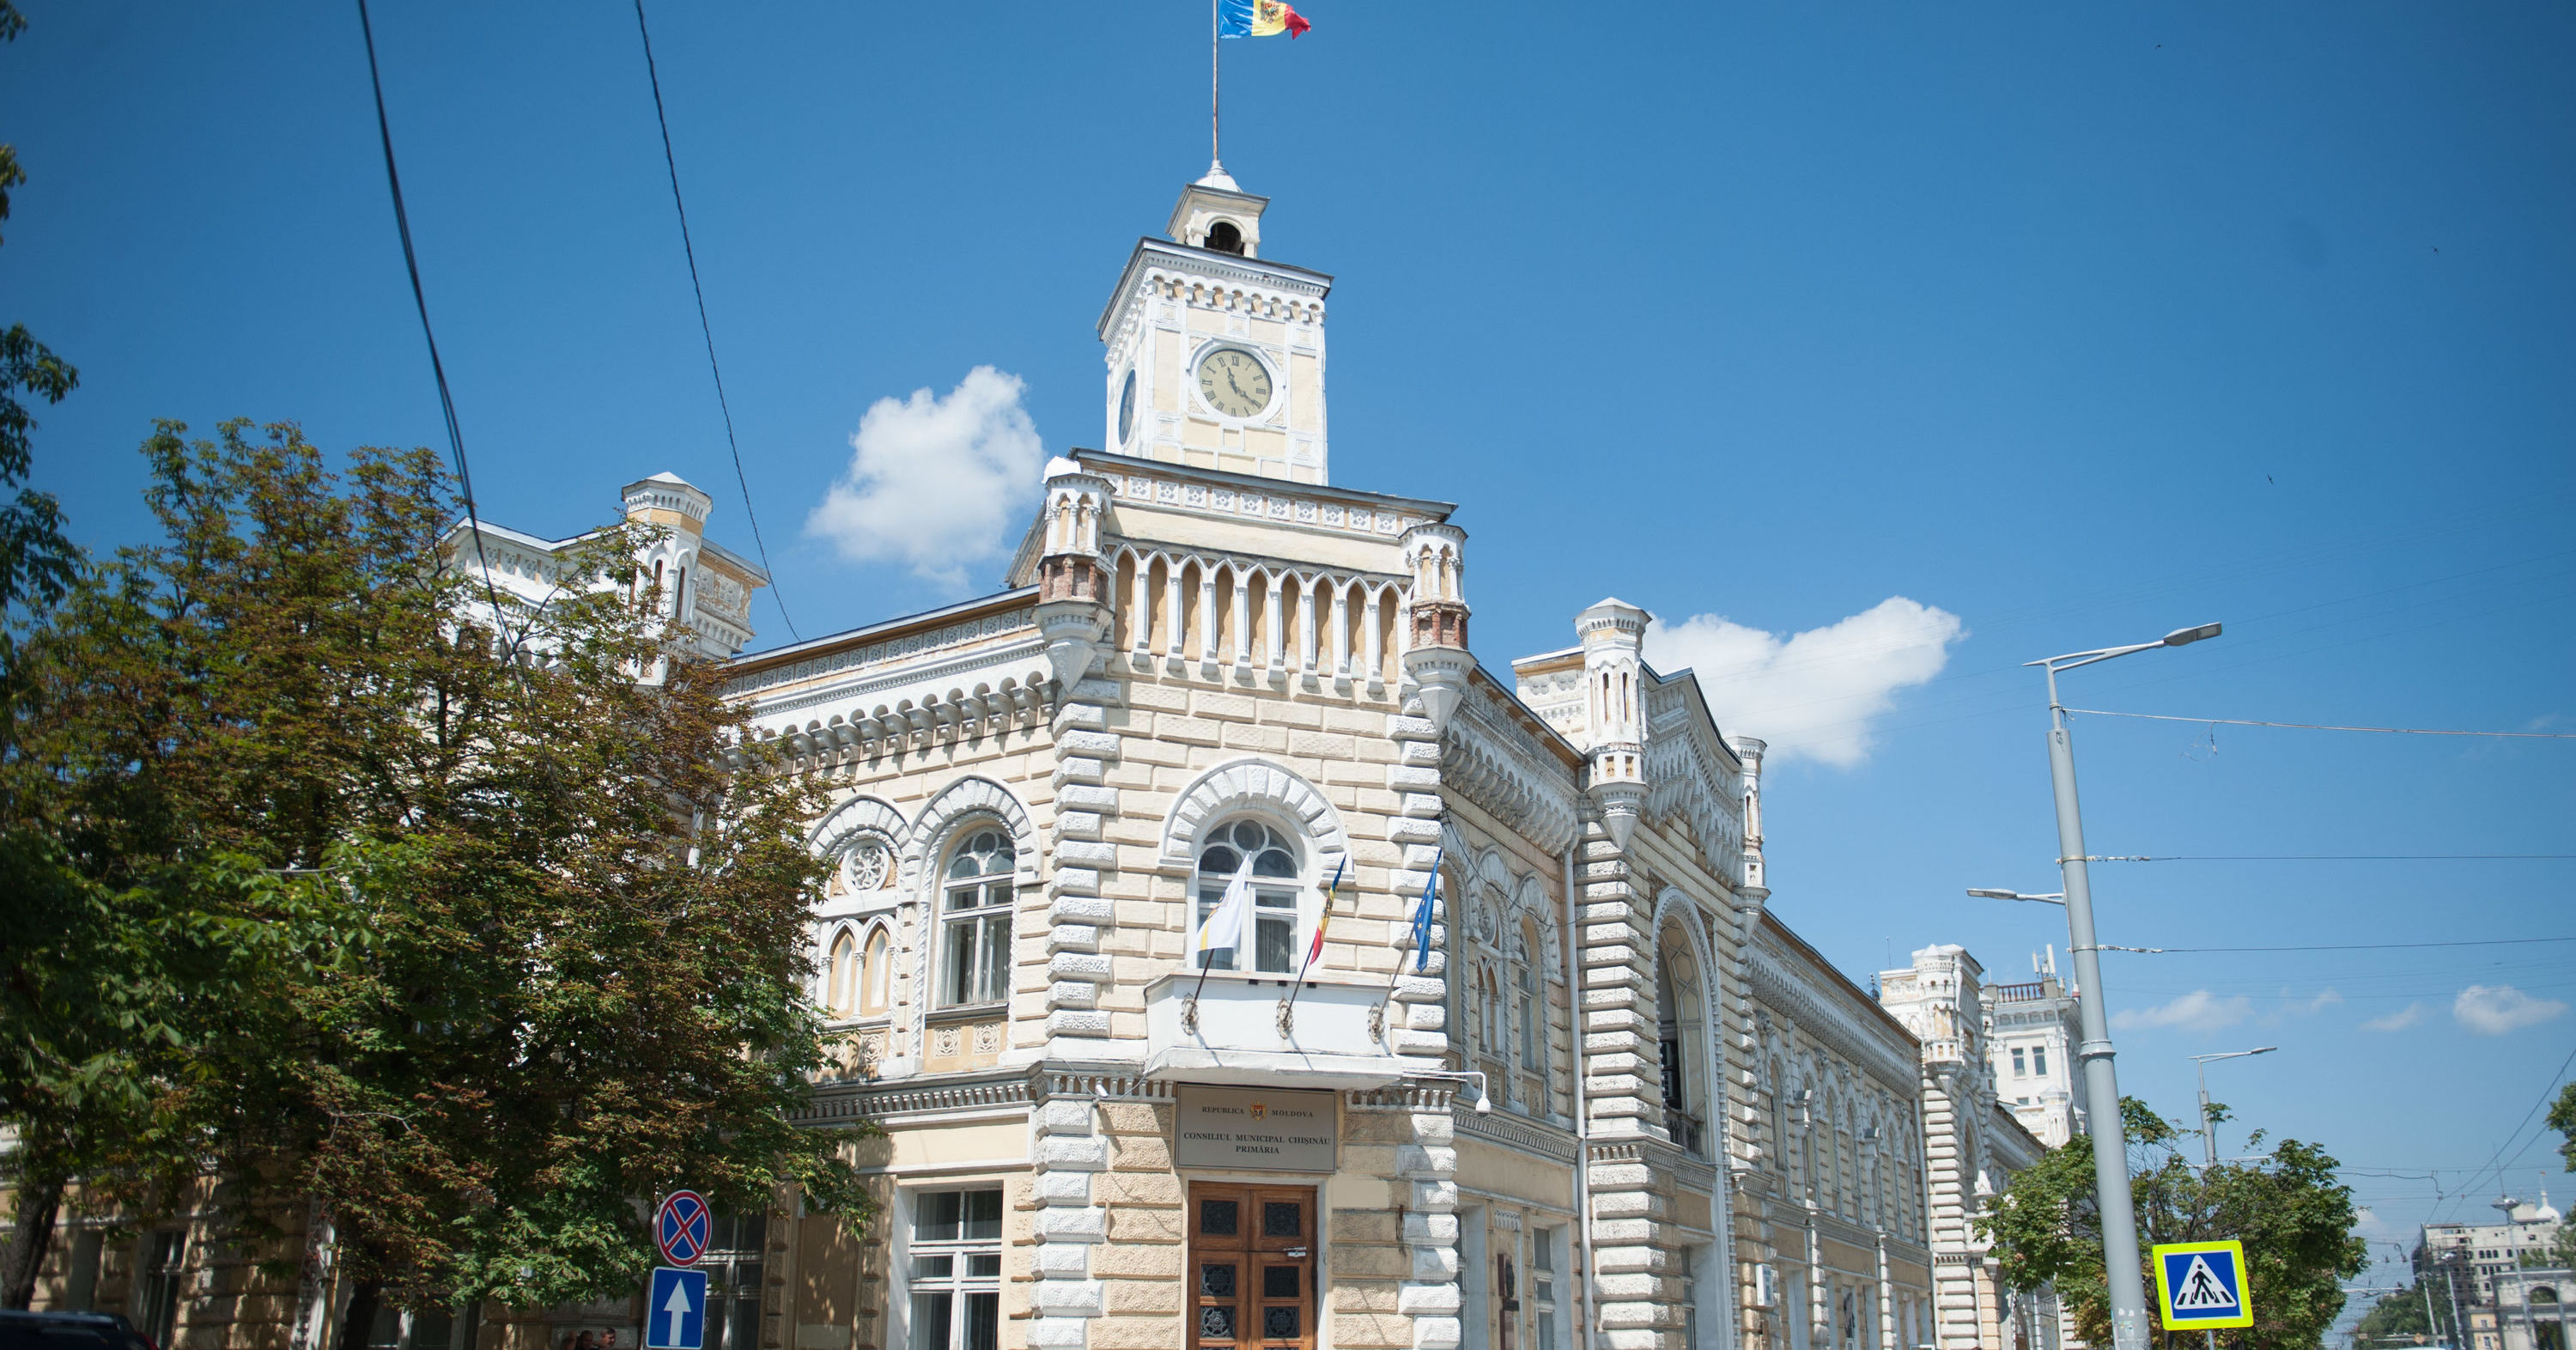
pixel 1602 1099
pixel 1212 660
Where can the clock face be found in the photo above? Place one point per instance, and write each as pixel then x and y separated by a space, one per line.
pixel 1234 382
pixel 1127 409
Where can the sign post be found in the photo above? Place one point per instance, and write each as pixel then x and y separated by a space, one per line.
pixel 2203 1286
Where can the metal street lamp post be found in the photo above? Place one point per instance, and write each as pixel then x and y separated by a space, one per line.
pixel 2123 1268
pixel 2208 1128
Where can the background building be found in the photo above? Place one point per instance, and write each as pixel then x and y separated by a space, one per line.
pixel 1973 1145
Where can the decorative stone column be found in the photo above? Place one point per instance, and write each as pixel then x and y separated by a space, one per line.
pixel 1416 1018
pixel 1066 1153
pixel 1073 613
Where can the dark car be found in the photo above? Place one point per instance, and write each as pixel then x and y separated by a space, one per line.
pixel 69 1331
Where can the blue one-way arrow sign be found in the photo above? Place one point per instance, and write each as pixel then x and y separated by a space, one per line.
pixel 675 1311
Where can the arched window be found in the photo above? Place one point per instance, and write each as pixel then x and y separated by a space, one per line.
pixel 1681 1036
pixel 1268 863
pixel 2541 1293
pixel 1489 1012
pixel 1533 1018
pixel 1225 237
pixel 839 989
pixel 975 920
pixel 875 973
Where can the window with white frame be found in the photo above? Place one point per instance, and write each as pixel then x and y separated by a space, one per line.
pixel 734 1263
pixel 975 920
pixel 876 969
pixel 954 1269
pixel 1268 861
pixel 2039 1060
pixel 2021 1069
pixel 165 1260
pixel 840 993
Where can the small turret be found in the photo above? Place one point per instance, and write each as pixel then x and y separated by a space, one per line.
pixel 1073 582
pixel 1614 636
pixel 1435 656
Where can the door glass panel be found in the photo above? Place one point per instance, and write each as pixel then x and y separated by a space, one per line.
pixel 1279 1282
pixel 1216 1281
pixel 1279 1323
pixel 1216 1218
pixel 1283 1219
pixel 1216 1324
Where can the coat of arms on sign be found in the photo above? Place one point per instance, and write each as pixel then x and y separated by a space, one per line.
pixel 1259 1111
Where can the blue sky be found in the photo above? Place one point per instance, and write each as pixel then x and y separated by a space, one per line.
pixel 2071 323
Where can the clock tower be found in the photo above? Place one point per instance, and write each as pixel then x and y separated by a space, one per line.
pixel 1216 357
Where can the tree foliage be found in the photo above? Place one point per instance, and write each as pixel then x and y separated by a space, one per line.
pixel 2562 1118
pixel 473 944
pixel 2403 1316
pixel 2287 1207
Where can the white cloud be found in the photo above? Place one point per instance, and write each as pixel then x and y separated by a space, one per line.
pixel 2324 1000
pixel 2399 1020
pixel 2199 1010
pixel 1813 694
pixel 936 482
pixel 2494 1009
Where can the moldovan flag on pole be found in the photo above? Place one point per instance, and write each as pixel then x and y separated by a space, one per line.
pixel 1331 893
pixel 1258 18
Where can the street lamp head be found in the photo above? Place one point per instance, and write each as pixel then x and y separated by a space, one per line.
pixel 2264 1050
pixel 1994 895
pixel 2182 637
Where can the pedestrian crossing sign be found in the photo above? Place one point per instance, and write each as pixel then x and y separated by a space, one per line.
pixel 2203 1285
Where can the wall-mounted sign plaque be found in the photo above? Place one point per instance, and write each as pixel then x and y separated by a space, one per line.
pixel 1257 1130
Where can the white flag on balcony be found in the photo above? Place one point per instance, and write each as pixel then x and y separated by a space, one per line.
pixel 1222 930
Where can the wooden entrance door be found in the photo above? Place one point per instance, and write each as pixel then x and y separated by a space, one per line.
pixel 1252 1267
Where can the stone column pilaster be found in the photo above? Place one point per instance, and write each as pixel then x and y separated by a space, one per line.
pixel 1066 1153
pixel 1077 911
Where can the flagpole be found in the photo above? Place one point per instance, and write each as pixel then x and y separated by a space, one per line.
pixel 1323 917
pixel 1214 46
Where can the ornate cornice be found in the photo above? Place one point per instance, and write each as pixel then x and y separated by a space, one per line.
pixel 1518 1133
pixel 1491 760
pixel 894 647
pixel 1778 980
pixel 1692 775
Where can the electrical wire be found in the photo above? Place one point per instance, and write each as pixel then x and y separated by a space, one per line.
pixel 706 328
pixel 2495 1163
pixel 2335 857
pixel 2380 946
pixel 420 299
pixel 2314 726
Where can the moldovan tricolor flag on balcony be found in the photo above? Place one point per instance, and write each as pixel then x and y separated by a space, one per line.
pixel 1258 18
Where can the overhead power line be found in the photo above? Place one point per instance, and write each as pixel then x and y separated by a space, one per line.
pixel 2314 726
pixel 2334 857
pixel 420 299
pixel 706 328
pixel 2378 946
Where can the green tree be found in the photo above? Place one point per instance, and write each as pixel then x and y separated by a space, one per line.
pixel 37 562
pixel 478 941
pixel 2286 1206
pixel 2562 1118
pixel 2402 1317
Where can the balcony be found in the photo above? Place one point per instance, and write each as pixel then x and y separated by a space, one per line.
pixel 1236 1036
